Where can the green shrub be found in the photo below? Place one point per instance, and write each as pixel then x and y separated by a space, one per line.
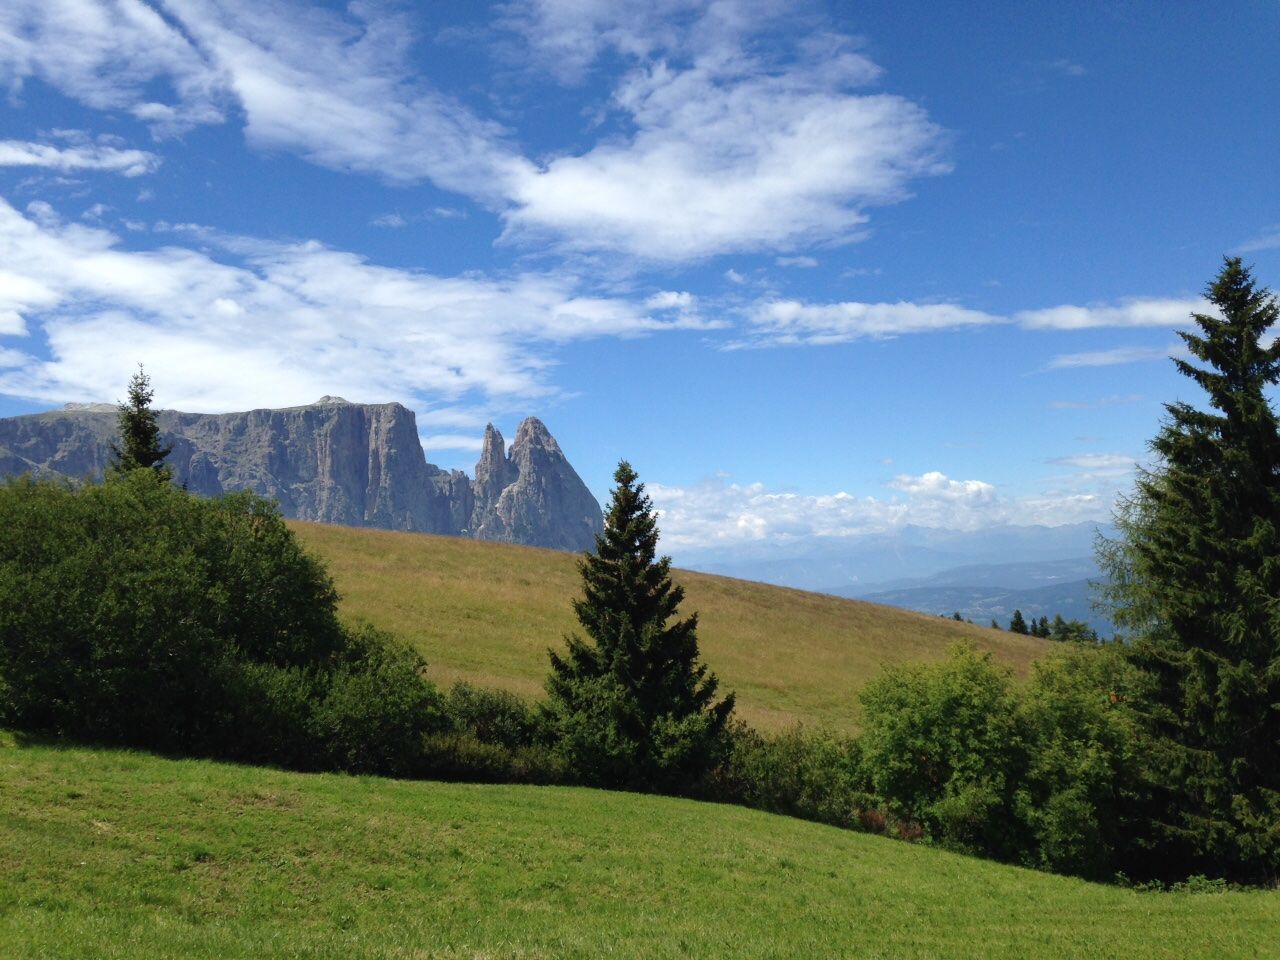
pixel 814 775
pixel 942 746
pixel 376 708
pixel 131 612
pixel 496 717
pixel 1086 780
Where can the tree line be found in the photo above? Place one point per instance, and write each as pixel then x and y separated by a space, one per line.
pixel 132 613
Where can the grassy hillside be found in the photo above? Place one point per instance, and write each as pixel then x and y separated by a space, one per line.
pixel 107 854
pixel 487 613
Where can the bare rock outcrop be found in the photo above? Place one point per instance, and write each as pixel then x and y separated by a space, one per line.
pixel 532 495
pixel 335 462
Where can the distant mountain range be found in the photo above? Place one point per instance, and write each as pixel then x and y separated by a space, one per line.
pixel 337 462
pixel 984 574
pixel 987 592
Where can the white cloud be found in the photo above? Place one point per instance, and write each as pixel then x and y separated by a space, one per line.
pixel 1098 462
pixel 803 262
pixel 1268 239
pixel 938 486
pixel 1115 400
pixel 1114 356
pixel 111 55
pixel 339 91
pixel 336 89
pixel 1132 312
pixel 1068 68
pixel 671 300
pixel 565 37
pixel 393 220
pixel 718 513
pixel 87 156
pixel 780 322
pixel 452 441
pixel 268 324
pixel 728 155
pixel 730 150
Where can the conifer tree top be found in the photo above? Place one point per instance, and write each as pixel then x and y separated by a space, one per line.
pixel 139 446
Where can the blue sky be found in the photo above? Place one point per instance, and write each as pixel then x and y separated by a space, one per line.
pixel 816 270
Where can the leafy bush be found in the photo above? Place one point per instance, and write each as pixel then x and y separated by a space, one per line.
pixel 943 748
pixel 376 708
pixel 814 775
pixel 131 612
pixel 1054 775
pixel 1086 777
pixel 495 717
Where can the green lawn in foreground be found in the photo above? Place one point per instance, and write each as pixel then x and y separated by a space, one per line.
pixel 119 854
pixel 486 612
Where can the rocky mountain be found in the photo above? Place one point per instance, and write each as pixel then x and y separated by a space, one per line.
pixel 336 462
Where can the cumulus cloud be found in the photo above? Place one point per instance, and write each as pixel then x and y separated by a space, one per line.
pixel 77 156
pixel 730 154
pixel 1132 312
pixel 268 324
pixel 781 322
pixel 719 513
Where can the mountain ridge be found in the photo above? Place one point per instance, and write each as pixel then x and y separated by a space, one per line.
pixel 334 461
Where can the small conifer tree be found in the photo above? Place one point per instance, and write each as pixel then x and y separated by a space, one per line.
pixel 139 447
pixel 631 705
pixel 1018 624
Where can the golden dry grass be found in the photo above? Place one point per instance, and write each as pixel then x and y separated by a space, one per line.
pixel 487 613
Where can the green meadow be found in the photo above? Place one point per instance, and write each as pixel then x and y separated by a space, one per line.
pixel 487 612
pixel 116 854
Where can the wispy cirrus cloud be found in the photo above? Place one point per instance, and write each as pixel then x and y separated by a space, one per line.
pixel 786 322
pixel 730 149
pixel 1095 462
pixel 112 55
pixel 1115 356
pixel 1102 403
pixel 1268 239
pixel 77 156
pixel 243 322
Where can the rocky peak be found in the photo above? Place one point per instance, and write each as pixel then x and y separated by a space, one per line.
pixel 543 501
pixel 337 462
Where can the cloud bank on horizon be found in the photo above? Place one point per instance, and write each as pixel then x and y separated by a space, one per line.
pixel 225 190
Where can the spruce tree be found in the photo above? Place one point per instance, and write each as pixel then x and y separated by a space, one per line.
pixel 631 705
pixel 1017 624
pixel 139 447
pixel 1195 575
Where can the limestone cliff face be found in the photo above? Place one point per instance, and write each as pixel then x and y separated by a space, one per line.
pixel 332 461
pixel 540 498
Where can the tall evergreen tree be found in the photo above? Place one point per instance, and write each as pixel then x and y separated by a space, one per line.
pixel 1017 624
pixel 139 446
pixel 1195 576
pixel 632 706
